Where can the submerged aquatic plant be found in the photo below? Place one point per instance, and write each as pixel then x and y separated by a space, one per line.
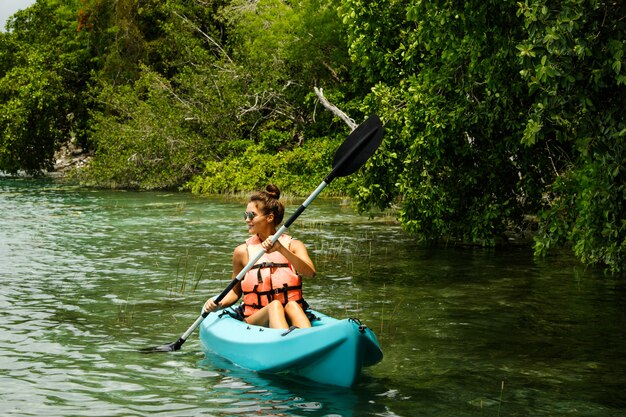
pixel 186 275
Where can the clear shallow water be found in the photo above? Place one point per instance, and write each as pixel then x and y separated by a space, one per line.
pixel 90 277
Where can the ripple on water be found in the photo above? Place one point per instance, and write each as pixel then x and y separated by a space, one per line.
pixel 88 278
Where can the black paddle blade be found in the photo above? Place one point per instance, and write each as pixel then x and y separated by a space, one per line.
pixel 172 347
pixel 357 148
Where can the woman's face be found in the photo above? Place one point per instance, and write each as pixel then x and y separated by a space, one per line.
pixel 255 219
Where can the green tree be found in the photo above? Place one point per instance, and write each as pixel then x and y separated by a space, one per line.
pixel 573 60
pixel 45 63
pixel 159 121
pixel 144 139
pixel 284 49
pixel 495 110
pixel 280 51
pixel 453 103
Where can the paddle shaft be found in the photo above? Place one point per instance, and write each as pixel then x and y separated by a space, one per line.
pixel 346 157
pixel 256 258
pixel 351 155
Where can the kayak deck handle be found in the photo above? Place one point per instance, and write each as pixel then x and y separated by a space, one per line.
pixel 362 327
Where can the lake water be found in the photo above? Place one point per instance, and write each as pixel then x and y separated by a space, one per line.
pixel 90 277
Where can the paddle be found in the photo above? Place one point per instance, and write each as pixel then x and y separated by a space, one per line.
pixel 351 155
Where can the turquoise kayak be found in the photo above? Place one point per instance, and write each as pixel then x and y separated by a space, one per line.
pixel 332 352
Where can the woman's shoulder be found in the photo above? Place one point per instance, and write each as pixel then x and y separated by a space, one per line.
pixel 240 250
pixel 296 244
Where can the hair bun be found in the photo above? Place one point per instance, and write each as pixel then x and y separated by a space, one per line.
pixel 272 191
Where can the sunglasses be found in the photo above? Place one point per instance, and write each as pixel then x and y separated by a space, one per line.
pixel 249 215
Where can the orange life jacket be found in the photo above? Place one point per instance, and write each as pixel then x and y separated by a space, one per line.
pixel 271 278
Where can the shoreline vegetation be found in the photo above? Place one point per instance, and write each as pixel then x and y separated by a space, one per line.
pixel 70 159
pixel 503 119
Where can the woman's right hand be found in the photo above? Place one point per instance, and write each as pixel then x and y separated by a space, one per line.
pixel 211 306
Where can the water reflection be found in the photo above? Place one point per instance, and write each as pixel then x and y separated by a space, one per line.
pixel 241 392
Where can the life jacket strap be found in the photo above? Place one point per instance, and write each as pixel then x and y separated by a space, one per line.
pixel 271 293
pixel 267 265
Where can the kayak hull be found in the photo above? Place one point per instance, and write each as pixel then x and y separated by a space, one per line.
pixel 331 352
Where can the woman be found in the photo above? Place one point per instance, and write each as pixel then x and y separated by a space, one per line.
pixel 272 288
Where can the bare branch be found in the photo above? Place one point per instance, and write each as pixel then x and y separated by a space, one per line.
pixel 333 109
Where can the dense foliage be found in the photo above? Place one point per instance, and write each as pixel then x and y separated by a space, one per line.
pixel 496 112
pixel 573 59
pixel 43 69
